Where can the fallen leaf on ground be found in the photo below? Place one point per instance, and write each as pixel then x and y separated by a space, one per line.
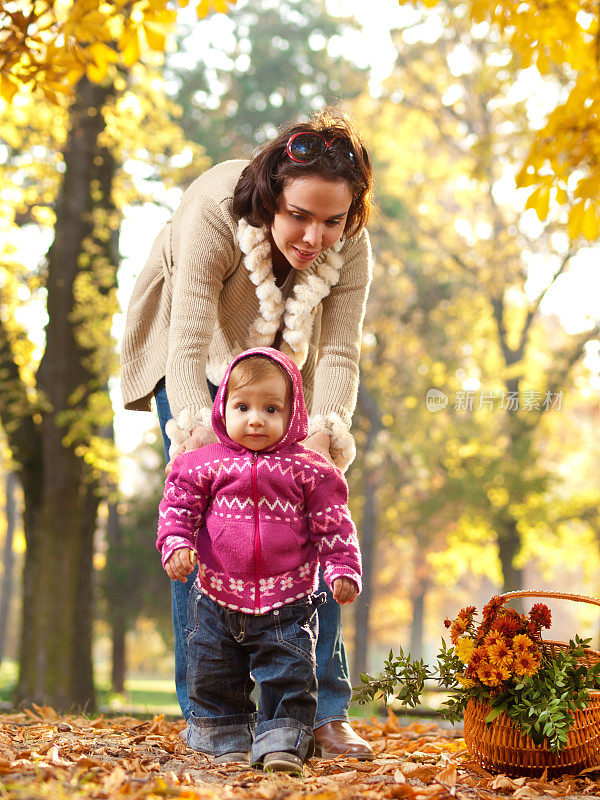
pixel 448 775
pixel 46 756
pixel 525 792
pixel 504 782
pixel 399 776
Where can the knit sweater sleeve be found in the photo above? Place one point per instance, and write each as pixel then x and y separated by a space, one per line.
pixel 186 496
pixel 204 252
pixel 332 530
pixel 336 375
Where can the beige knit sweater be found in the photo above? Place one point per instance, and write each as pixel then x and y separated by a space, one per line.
pixel 207 292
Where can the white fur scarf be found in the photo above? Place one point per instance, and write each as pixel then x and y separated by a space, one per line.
pixel 311 286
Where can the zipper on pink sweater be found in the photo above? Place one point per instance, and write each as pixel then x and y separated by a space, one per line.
pixel 256 533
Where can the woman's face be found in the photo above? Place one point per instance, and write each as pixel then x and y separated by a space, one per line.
pixel 311 217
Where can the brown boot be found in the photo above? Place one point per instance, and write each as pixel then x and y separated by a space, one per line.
pixel 338 739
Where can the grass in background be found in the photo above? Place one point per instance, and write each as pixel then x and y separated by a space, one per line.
pixel 8 678
pixel 145 695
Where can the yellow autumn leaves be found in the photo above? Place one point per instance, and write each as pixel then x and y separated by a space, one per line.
pixel 564 159
pixel 52 44
pixel 560 38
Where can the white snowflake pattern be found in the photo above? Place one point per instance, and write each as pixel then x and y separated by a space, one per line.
pixel 236 585
pixel 286 583
pixel 304 570
pixel 216 583
pixel 267 585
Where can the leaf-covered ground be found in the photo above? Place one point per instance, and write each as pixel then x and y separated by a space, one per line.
pixel 43 755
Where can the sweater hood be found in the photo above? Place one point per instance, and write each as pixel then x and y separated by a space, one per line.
pixel 297 429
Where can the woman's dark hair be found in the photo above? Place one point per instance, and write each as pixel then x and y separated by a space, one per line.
pixel 256 196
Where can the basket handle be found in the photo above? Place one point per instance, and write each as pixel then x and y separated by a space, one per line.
pixel 577 598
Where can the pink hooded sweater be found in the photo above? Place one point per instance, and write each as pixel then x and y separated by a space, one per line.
pixel 260 522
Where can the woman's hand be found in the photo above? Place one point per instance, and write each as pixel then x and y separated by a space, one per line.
pixel 319 442
pixel 199 437
pixel 344 590
pixel 180 564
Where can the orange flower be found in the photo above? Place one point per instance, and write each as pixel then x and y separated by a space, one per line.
pixel 475 661
pixel 487 674
pixel 492 607
pixel 522 644
pixel 526 664
pixel 491 675
pixel 509 622
pixel 540 615
pixel 494 637
pixel 500 655
pixel 501 674
pixel 459 626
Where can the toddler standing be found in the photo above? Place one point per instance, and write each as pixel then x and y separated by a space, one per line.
pixel 259 511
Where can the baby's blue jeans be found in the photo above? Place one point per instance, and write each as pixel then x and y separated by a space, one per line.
pixel 225 648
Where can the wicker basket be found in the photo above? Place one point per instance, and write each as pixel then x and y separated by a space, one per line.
pixel 500 747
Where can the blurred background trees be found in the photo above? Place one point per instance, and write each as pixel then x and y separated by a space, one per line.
pixel 55 406
pixel 477 415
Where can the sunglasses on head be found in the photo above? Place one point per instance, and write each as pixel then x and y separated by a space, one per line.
pixel 306 146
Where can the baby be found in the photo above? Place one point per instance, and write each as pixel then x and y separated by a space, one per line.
pixel 259 511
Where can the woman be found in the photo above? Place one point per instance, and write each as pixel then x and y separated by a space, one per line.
pixel 268 252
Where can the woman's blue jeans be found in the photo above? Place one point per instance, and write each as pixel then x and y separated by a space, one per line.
pixel 334 689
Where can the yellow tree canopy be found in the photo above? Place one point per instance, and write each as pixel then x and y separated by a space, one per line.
pixel 50 44
pixel 561 38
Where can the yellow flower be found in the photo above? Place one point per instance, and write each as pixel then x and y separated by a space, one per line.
pixel 465 647
pixel 465 682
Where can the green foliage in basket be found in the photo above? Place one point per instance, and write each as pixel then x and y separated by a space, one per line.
pixel 502 661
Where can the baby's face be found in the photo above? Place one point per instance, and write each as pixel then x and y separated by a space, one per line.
pixel 257 415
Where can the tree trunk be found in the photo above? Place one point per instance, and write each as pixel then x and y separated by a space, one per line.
pixel 362 605
pixel 8 560
pixel 419 593
pixel 117 609
pixel 55 653
pixel 119 655
pixel 509 543
pixel 368 535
